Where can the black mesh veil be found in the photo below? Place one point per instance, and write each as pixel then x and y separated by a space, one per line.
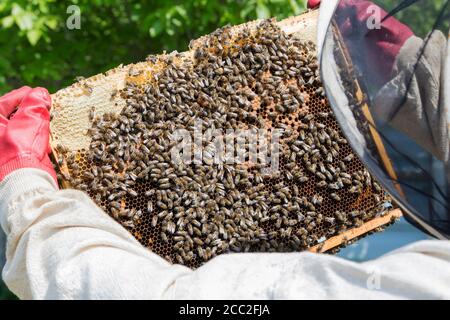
pixel 388 86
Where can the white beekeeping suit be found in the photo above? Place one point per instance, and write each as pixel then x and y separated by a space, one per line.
pixel 60 245
pixel 2 249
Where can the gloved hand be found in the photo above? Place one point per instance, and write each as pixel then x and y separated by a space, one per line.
pixel 378 47
pixel 313 4
pixel 24 136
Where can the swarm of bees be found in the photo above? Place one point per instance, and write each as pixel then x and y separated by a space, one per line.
pixel 189 213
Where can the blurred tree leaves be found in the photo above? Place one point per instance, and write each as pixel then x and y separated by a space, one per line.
pixel 5 294
pixel 421 16
pixel 39 50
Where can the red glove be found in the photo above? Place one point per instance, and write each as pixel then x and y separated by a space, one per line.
pixel 379 47
pixel 312 4
pixel 24 138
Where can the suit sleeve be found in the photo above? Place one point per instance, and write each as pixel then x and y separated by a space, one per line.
pixel 60 245
pixel 414 100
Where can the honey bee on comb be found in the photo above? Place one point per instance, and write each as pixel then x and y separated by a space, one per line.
pixel 258 78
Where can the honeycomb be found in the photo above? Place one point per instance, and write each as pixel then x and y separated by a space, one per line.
pixel 316 219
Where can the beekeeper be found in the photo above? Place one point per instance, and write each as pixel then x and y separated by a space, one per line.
pixel 60 245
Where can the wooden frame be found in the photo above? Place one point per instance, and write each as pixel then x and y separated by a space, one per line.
pixel 295 24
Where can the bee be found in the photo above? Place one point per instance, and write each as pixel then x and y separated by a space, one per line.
pixel 320 125
pixel 334 186
pixel 311 167
pixel 198 241
pixel 355 213
pixel 179 259
pixel 355 189
pixel 178 238
pixel 128 224
pixel 62 149
pixel 132 72
pixel 345 175
pixel 377 198
pixel 114 93
pixel 340 216
pixel 376 186
pixel 324 114
pixel 311 226
pixel 87 90
pixel 201 252
pixel 154 220
pixel 330 220
pixel 321 184
pixel 321 176
pixel 61 161
pixel 171 228
pixel 329 175
pixel 335 196
pixel 92 113
pixel 349 157
pixel 346 181
pixel 132 192
pixel 88 175
pixel 129 213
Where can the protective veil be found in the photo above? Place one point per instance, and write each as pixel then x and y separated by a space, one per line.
pixel 389 90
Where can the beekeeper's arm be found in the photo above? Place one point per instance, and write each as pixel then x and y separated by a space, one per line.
pixel 60 245
pixel 413 79
pixel 423 114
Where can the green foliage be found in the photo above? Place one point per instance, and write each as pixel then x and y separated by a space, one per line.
pixel 5 294
pixel 419 17
pixel 39 50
